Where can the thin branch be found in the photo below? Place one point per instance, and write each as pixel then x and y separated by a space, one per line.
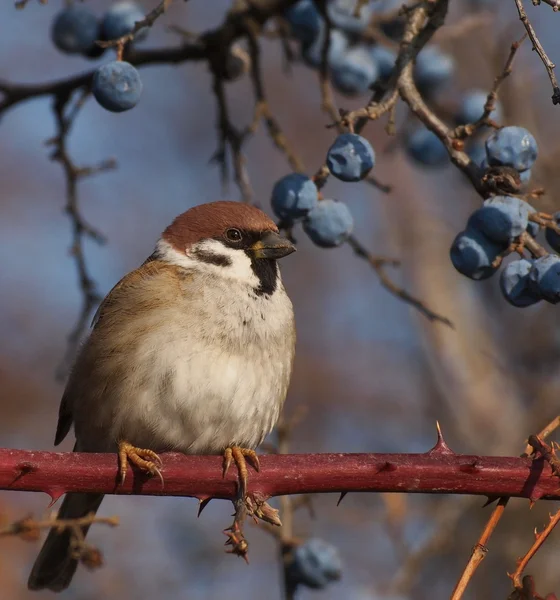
pixel 480 549
pixel 468 130
pixel 262 108
pixel 147 21
pixel 29 528
pixel 539 541
pixel 537 46
pixel 230 138
pixel 378 265
pixel 80 228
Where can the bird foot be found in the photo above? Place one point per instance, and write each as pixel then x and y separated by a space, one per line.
pixel 237 455
pixel 146 460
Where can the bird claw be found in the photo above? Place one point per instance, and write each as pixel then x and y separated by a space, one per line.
pixel 143 458
pixel 238 455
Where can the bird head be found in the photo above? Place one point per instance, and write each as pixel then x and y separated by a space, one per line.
pixel 228 239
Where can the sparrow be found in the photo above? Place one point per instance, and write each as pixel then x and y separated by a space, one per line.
pixel 192 352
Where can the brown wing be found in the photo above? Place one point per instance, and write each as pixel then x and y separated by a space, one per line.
pixel 149 269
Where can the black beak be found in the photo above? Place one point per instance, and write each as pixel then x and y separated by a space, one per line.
pixel 272 245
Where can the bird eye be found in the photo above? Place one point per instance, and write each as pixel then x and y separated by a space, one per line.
pixel 233 235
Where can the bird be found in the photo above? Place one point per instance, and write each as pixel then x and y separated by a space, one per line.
pixel 191 352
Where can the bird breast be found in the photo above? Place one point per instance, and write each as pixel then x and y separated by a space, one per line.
pixel 198 373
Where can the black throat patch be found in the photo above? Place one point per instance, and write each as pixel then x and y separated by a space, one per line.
pixel 266 270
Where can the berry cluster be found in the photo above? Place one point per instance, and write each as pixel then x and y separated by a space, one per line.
pixel 116 85
pixel 295 197
pixel 354 66
pixel 313 564
pixel 504 224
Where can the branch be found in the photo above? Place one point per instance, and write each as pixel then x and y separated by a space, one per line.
pixel 539 541
pixel 215 41
pixel 537 46
pixel 378 265
pixel 439 471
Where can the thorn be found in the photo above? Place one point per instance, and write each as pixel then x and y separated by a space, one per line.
pixel 441 447
pixel 342 494
pixel 55 496
pixel 202 504
pixel 490 500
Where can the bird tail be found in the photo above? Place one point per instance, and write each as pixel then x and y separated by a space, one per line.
pixel 55 566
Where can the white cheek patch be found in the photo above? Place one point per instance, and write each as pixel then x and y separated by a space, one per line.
pixel 211 256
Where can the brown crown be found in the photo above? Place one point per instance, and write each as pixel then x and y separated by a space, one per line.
pixel 212 220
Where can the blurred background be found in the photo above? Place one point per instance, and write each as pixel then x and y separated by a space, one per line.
pixel 373 373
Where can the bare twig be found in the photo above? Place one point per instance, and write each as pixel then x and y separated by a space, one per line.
pixel 147 21
pixel 539 541
pixel 468 130
pixel 80 228
pixel 29 529
pixel 230 138
pixel 537 46
pixel 480 549
pixel 378 265
pixel 262 109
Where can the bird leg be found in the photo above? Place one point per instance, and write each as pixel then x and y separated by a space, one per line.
pixel 238 455
pixel 146 460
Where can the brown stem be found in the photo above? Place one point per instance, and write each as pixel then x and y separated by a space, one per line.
pixel 539 541
pixel 537 46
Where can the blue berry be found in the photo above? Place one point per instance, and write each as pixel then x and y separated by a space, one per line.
pixel 501 218
pixel 433 69
pixel 293 196
pixel 351 157
pixel 515 285
pixel 75 30
pixel 341 14
pixel 329 224
pixel 355 73
pixel 314 564
pixel 552 237
pixel 117 86
pixel 120 19
pixel 544 278
pixel 385 60
pixel 472 108
pixel 472 254
pixel 512 146
pixel 304 20
pixel 312 53
pixel 425 147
